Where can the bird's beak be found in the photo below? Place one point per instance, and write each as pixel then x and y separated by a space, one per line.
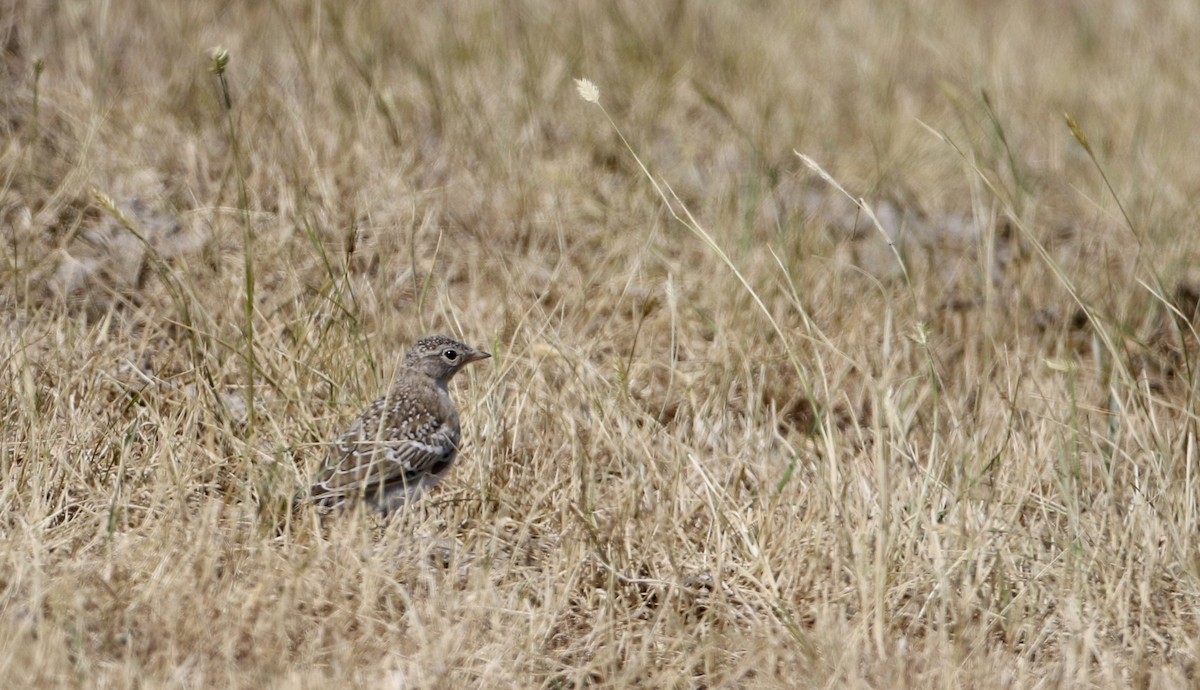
pixel 478 355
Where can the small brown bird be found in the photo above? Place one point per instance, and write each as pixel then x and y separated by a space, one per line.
pixel 406 441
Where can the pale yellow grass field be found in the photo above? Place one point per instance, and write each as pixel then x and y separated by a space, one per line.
pixel 796 456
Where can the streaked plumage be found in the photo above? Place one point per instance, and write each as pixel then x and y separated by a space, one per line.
pixel 404 442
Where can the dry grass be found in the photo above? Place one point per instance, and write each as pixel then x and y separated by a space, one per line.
pixel 954 450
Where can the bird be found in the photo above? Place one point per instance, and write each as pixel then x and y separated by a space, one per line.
pixel 402 444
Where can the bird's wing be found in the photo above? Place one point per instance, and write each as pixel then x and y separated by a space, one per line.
pixel 358 461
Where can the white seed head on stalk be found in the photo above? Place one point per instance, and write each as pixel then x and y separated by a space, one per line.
pixel 587 90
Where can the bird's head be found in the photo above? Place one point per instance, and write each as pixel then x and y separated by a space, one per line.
pixel 440 357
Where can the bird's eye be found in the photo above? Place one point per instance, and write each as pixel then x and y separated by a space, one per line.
pixel 450 355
